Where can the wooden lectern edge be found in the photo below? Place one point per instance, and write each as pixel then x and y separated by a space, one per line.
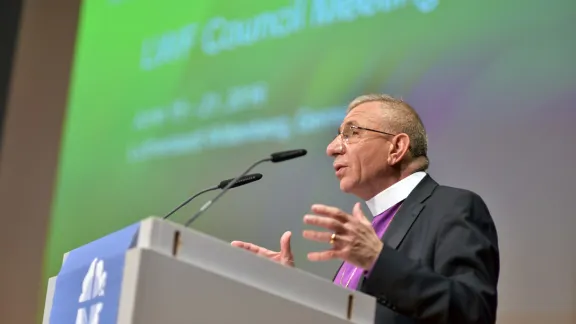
pixel 177 244
pixel 176 247
pixel 177 228
pixel 152 218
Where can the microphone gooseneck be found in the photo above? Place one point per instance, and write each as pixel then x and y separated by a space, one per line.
pixel 189 200
pixel 245 179
pixel 275 157
pixel 228 186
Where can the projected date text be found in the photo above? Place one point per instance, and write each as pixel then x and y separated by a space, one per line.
pixel 233 100
pixel 211 104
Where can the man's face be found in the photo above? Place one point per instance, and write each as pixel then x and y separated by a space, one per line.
pixel 362 163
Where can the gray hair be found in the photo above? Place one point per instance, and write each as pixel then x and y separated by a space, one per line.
pixel 403 119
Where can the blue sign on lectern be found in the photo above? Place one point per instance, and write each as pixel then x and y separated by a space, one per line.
pixel 89 283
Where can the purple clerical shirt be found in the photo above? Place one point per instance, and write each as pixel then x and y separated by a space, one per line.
pixel 349 275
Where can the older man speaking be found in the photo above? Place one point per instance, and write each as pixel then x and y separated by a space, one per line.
pixel 430 254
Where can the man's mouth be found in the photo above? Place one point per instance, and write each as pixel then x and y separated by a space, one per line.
pixel 339 169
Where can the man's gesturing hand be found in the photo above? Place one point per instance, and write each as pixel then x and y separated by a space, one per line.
pixel 355 240
pixel 284 257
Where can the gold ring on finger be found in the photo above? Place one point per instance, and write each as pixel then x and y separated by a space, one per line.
pixel 332 238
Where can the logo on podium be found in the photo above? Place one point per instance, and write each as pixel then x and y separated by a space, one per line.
pixel 93 287
pixel 88 286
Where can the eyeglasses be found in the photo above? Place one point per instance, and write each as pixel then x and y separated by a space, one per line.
pixel 349 133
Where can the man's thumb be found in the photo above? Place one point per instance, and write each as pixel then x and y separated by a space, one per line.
pixel 285 249
pixel 357 212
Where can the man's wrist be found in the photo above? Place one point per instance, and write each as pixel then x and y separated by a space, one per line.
pixel 373 260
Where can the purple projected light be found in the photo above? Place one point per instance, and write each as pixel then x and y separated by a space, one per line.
pixel 443 89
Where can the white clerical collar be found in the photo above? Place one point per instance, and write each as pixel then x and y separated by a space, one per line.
pixel 395 193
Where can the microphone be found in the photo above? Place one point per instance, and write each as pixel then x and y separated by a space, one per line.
pixel 286 155
pixel 242 181
pixel 223 184
pixel 274 158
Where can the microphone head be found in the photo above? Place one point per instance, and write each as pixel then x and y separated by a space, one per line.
pixel 287 155
pixel 242 181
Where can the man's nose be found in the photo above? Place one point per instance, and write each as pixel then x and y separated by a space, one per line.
pixel 335 147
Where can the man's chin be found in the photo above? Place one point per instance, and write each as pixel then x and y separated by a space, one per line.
pixel 346 186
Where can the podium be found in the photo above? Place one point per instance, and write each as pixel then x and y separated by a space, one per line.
pixel 159 272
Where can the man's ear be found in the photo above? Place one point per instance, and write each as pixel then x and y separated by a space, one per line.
pixel 399 146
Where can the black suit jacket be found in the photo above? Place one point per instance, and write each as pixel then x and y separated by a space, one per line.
pixel 440 261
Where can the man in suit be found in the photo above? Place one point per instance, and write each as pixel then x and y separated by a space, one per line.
pixel 430 255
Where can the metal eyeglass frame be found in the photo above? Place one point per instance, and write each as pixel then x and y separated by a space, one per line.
pixel 345 140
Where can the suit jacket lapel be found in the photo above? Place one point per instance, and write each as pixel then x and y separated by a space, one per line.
pixel 336 274
pixel 405 217
pixel 408 212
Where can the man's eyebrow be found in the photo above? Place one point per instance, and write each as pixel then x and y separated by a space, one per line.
pixel 345 124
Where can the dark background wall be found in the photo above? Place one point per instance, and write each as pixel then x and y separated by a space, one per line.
pixel 10 11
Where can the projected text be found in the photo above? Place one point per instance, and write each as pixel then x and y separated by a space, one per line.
pixel 220 34
pixel 277 128
pixel 211 104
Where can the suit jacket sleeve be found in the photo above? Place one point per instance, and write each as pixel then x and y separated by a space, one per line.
pixel 461 286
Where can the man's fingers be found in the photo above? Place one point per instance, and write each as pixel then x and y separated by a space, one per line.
pixel 317 236
pixel 329 211
pixel 326 222
pixel 239 244
pixel 286 257
pixel 285 248
pixel 323 237
pixel 245 245
pixel 250 247
pixel 323 255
